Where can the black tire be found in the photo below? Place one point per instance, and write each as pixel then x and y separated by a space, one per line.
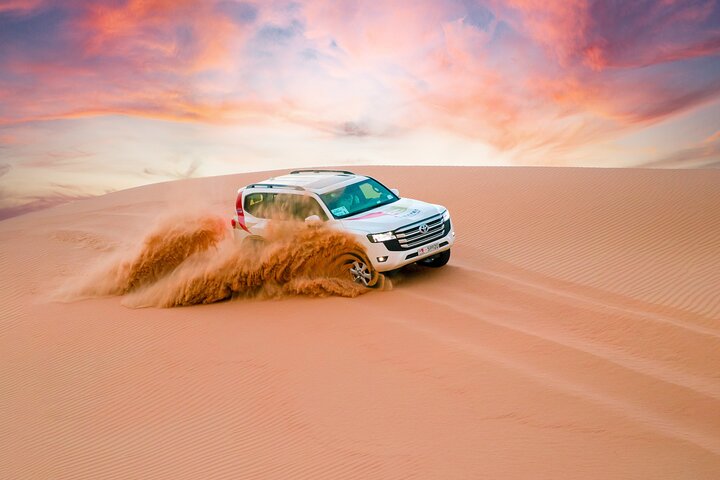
pixel 436 261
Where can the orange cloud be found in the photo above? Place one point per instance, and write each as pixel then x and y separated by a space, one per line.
pixel 166 107
pixel 137 58
pixel 161 34
pixel 713 138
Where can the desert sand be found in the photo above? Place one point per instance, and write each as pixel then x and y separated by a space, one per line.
pixel 575 333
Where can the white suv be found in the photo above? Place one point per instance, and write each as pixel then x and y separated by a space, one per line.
pixel 394 231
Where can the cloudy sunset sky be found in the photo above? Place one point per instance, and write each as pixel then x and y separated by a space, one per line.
pixel 97 96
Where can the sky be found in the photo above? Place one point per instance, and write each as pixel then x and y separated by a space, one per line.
pixel 97 96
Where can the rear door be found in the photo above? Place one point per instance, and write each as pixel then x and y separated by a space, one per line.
pixel 258 207
pixel 263 207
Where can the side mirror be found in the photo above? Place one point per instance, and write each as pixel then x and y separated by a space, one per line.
pixel 313 220
pixel 395 191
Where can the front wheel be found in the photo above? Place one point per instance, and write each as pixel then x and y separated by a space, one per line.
pixel 437 260
pixel 360 269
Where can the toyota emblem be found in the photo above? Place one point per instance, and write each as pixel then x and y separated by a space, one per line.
pixel 423 228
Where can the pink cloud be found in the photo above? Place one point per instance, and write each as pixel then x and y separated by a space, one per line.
pixel 20 6
pixel 561 27
pixel 573 97
pixel 618 34
pixel 372 32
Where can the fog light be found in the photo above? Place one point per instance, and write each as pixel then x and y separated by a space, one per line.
pixel 381 259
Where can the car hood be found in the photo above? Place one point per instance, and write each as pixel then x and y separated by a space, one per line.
pixel 389 217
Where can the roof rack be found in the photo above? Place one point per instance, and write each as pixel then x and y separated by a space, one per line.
pixel 345 172
pixel 274 185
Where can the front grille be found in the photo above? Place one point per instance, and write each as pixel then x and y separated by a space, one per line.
pixel 411 236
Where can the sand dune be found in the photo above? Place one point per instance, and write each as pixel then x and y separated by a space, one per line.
pixel 574 334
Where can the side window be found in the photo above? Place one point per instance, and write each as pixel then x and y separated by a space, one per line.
pixel 282 206
pixel 306 206
pixel 289 206
pixel 258 204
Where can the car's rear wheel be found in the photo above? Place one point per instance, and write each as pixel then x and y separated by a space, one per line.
pixel 253 242
pixel 436 261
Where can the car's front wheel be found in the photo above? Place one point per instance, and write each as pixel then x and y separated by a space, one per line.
pixel 359 269
pixel 436 261
pixel 361 272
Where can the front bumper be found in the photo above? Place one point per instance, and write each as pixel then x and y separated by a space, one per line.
pixel 397 259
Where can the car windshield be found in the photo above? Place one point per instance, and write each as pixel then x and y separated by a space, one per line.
pixel 357 198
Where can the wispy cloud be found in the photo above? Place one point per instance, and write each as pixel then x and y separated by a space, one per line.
pixel 57 159
pixel 705 154
pixel 179 173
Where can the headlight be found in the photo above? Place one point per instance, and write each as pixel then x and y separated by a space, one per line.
pixel 446 215
pixel 381 237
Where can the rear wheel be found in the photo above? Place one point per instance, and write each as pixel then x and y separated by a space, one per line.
pixel 436 261
pixel 253 242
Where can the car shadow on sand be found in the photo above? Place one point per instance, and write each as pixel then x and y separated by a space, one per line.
pixel 416 275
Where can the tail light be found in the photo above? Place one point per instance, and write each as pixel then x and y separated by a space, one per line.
pixel 240 214
pixel 238 204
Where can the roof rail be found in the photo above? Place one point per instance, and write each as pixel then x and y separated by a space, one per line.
pixel 321 171
pixel 274 185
